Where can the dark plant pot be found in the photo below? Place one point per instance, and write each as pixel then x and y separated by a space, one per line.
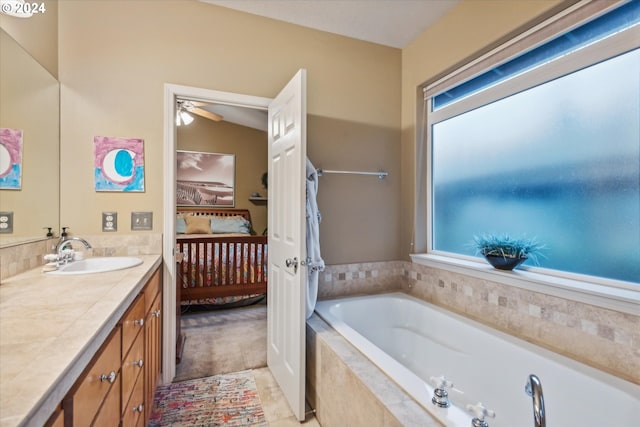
pixel 504 263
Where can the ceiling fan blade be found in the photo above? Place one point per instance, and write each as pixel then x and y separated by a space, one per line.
pixel 207 114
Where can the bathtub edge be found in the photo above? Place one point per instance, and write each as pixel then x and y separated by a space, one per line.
pixel 398 408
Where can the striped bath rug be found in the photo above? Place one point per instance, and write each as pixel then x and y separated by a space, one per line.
pixel 221 400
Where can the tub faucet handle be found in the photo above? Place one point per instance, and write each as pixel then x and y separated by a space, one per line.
pixel 480 413
pixel 440 395
pixel 441 382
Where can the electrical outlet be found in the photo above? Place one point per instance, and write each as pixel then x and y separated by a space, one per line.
pixel 6 222
pixel 109 221
pixel 141 220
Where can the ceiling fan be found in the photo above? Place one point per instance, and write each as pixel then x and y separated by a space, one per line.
pixel 194 107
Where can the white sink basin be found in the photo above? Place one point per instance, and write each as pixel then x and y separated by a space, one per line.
pixel 97 265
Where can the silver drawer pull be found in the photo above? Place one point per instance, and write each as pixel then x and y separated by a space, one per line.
pixel 138 363
pixel 156 313
pixel 138 408
pixel 111 377
pixel 139 322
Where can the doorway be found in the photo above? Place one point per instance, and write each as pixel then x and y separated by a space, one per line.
pixel 171 95
pixel 226 147
pixel 287 227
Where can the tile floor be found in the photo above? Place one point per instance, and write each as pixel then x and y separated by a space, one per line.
pixel 224 341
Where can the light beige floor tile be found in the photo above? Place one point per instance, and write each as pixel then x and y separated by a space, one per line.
pixel 226 341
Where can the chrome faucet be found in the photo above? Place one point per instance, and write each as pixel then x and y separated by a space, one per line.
pixel 62 243
pixel 440 394
pixel 534 389
pixel 480 412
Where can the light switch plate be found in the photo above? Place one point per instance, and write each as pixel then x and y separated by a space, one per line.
pixel 6 222
pixel 109 221
pixel 141 220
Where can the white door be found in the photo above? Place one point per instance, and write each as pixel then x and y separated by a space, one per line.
pixel 287 228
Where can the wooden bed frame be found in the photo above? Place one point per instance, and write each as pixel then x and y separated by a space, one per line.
pixel 250 252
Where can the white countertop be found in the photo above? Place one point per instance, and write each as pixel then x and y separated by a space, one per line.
pixel 50 328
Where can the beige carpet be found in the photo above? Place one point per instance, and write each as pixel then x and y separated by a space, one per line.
pixel 223 341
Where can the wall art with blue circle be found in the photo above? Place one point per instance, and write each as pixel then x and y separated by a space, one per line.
pixel 10 159
pixel 119 164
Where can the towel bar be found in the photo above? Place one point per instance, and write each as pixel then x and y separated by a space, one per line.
pixel 380 174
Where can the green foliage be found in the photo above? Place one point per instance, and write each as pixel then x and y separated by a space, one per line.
pixel 508 247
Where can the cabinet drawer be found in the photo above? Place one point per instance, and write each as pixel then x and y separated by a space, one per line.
pixel 132 367
pixel 101 376
pixel 110 410
pixel 132 324
pixel 151 290
pixel 133 411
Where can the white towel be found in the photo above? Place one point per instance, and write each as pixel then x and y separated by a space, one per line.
pixel 315 263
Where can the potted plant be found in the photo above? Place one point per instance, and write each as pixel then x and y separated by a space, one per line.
pixel 506 253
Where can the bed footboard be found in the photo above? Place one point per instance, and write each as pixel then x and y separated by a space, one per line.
pixel 214 267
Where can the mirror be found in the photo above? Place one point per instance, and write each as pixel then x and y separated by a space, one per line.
pixel 30 102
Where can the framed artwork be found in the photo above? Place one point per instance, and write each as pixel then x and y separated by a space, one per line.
pixel 205 179
pixel 118 164
pixel 10 159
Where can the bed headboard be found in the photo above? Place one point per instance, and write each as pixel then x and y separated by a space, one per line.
pixel 205 211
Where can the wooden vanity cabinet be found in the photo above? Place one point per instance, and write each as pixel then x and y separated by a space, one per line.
pixel 56 419
pixel 133 362
pixel 93 398
pixel 118 386
pixel 153 340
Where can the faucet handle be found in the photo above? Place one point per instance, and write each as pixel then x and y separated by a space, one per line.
pixel 441 382
pixel 50 257
pixel 440 394
pixel 480 413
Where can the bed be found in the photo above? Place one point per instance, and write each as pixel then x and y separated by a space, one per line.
pixel 223 266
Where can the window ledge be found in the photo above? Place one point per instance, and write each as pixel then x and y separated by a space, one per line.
pixel 623 299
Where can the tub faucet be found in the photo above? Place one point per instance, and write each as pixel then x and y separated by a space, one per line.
pixel 534 389
pixel 440 394
pixel 480 413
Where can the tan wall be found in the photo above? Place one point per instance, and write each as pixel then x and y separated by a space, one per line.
pixel 467 29
pixel 38 35
pixel 250 149
pixel 29 101
pixel 116 56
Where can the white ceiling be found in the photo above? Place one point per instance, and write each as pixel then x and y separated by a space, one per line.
pixel 392 23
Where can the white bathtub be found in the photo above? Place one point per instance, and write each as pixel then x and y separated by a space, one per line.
pixel 412 341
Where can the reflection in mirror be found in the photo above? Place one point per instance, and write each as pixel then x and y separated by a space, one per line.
pixel 30 102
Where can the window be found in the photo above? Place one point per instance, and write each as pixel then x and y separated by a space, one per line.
pixel 545 145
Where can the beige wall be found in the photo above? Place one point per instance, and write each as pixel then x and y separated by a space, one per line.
pixel 38 35
pixel 469 28
pixel 250 149
pixel 116 56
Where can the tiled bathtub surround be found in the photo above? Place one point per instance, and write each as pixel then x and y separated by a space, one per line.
pixel 362 278
pixel 20 258
pixel 602 338
pixel 346 389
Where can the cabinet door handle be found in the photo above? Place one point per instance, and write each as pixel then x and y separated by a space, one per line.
pixel 138 363
pixel 139 322
pixel 156 313
pixel 111 377
pixel 138 408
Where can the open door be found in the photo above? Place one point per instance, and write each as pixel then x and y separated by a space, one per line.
pixel 287 250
